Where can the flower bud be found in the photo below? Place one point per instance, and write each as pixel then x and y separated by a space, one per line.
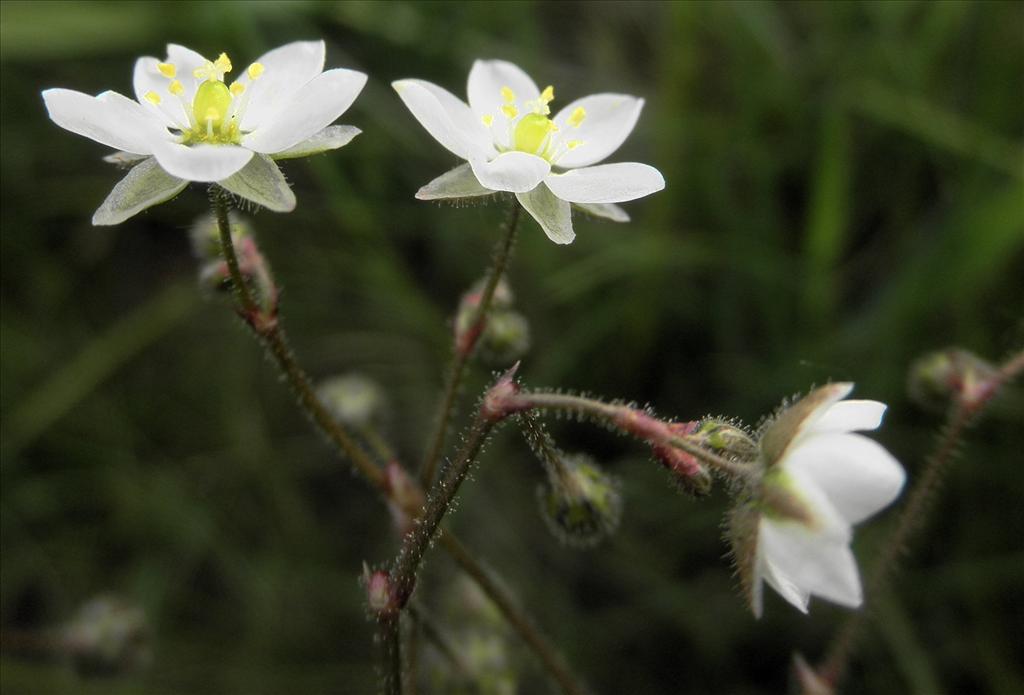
pixel 689 474
pixel 505 339
pixel 726 438
pixel 380 596
pixel 468 333
pixel 501 400
pixel 951 374
pixel 108 636
pixel 205 236
pixel 355 400
pixel 808 680
pixel 581 503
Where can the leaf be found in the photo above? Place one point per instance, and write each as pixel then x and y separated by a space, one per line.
pixel 261 182
pixel 330 138
pixel 145 185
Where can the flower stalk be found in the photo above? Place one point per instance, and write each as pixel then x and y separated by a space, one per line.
pixel 465 344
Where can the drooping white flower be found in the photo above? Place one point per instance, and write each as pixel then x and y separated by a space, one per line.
pixel 820 478
pixel 511 143
pixel 186 124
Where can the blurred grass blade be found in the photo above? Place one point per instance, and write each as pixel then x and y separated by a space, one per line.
pixel 69 384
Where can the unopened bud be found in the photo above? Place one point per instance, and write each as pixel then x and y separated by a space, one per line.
pixel 501 400
pixel 581 503
pixel 688 473
pixel 205 235
pixel 405 499
pixel 952 374
pixel 379 591
pixel 505 338
pixel 726 438
pixel 354 400
pixel 469 332
pixel 108 636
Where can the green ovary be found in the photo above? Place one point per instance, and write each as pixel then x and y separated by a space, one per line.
pixel 211 108
pixel 532 132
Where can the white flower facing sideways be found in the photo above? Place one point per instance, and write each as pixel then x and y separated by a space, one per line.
pixel 189 125
pixel 511 143
pixel 820 478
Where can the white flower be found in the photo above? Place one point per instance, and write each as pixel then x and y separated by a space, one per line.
pixel 819 480
pixel 188 125
pixel 511 144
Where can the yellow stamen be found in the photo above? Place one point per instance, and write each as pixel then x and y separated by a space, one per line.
pixel 237 88
pixel 573 144
pixel 577 116
pixel 255 70
pixel 488 119
pixel 510 111
pixel 152 97
pixel 168 70
pixel 223 63
pixel 175 88
pixel 548 95
pixel 508 95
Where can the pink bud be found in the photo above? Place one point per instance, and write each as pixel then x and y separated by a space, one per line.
pixel 379 594
pixel 502 399
pixel 405 499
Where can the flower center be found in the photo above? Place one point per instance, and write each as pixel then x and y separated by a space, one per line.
pixel 534 132
pixel 215 114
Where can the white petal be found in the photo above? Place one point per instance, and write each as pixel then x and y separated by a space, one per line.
pixel 786 588
pixel 446 118
pixel 185 60
pixel 147 78
pixel 811 563
pixel 110 119
pixel 145 185
pixel 261 182
pixel 202 162
pixel 858 475
pixel 486 79
pixel 553 215
pixel 515 172
pixel 286 69
pixel 849 416
pixel 607 183
pixel 460 182
pixel 608 211
pixel 314 106
pixel 609 121
pixel 330 138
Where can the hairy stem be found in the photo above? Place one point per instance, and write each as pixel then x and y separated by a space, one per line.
pixel 391 648
pixel 635 422
pixel 464 347
pixel 914 515
pixel 274 339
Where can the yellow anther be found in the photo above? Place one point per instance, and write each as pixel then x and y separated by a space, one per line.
pixel 488 119
pixel 152 97
pixel 508 95
pixel 175 88
pixel 573 144
pixel 255 70
pixel 510 111
pixel 223 63
pixel 168 70
pixel 548 95
pixel 237 88
pixel 577 116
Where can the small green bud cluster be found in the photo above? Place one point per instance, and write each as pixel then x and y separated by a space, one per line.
pixel 353 399
pixel 505 335
pixel 581 504
pixel 108 636
pixel 949 375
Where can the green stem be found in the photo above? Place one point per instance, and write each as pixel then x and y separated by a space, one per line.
pixel 276 343
pixel 464 348
pixel 519 620
pixel 623 417
pixel 416 543
pixel 914 515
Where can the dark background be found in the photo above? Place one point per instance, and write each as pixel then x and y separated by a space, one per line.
pixel 844 193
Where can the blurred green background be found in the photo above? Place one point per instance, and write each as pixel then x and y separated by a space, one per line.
pixel 844 193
